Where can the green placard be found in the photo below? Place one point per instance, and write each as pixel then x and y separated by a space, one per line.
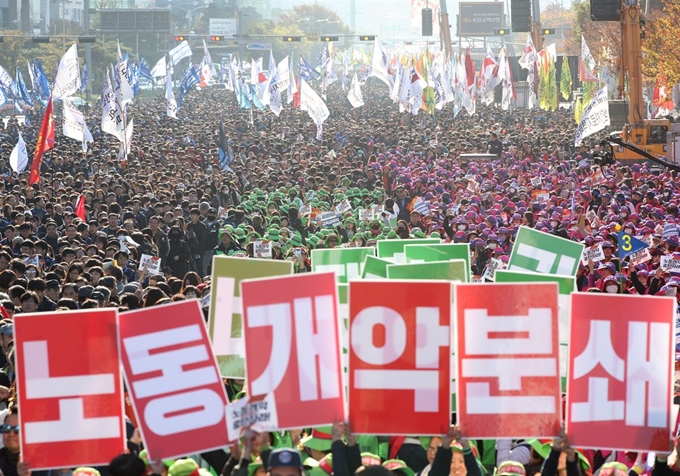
pixel 439 252
pixel 394 249
pixel 454 270
pixel 346 262
pixel 539 252
pixel 375 268
pixel 224 322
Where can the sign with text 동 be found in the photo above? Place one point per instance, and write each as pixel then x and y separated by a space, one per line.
pixel 620 372
pixel 292 343
pixel 173 379
pixel 70 388
pixel 508 360
pixel 399 356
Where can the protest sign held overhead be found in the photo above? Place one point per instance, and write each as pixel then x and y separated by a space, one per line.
pixel 346 263
pixel 543 253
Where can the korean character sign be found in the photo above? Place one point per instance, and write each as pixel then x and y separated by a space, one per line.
pixel 70 388
pixel 620 373
pixel 508 380
pixel 399 357
pixel 292 344
pixel 173 379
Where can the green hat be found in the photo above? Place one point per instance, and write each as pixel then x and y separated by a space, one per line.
pixel 359 235
pixel 324 468
pixel 543 449
pixel 386 230
pixel 435 234
pixel 296 241
pixel 254 466
pixel 399 466
pixel 144 456
pixel 254 234
pixel 226 231
pixel 274 226
pixel 319 440
pixel 273 234
pixel 240 234
pixel 418 233
pixel 259 194
pixel 392 235
pixel 284 208
pixel 183 467
pixel 365 192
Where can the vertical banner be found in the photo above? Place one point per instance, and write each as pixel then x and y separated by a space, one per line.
pixel 540 252
pixel 292 343
pixel 347 263
pixel 173 379
pixel 70 388
pixel 224 320
pixel 508 360
pixel 620 372
pixel 399 372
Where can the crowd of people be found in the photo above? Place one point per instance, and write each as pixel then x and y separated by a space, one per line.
pixel 170 198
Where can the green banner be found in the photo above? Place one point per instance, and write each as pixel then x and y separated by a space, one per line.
pixel 346 262
pixel 394 249
pixel 375 268
pixel 438 252
pixel 539 252
pixel 454 270
pixel 224 322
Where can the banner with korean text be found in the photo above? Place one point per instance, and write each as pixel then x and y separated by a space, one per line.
pixel 70 388
pixel 620 372
pixel 292 343
pixel 173 379
pixel 508 360
pixel 397 386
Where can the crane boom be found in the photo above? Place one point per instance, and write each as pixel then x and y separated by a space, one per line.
pixel 631 61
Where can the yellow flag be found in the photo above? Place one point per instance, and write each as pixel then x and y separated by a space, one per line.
pixel 565 79
pixel 553 94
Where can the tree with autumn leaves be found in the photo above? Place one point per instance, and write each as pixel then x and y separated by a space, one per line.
pixel 661 49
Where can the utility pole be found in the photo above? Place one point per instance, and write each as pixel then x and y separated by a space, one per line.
pixel 536 33
pixel 88 50
pixel 445 29
pixel 240 36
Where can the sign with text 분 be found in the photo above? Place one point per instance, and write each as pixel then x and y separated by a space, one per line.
pixel 399 372
pixel 172 377
pixel 620 373
pixel 539 252
pixel 292 340
pixel 71 401
pixel 508 360
pixel 346 262
pixel 224 320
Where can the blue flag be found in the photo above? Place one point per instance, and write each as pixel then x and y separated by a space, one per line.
pixel 189 80
pixel 23 91
pixel 254 99
pixel 3 96
pixel 83 78
pixel 628 245
pixel 324 57
pixel 307 72
pixel 226 154
pixel 144 70
pixel 42 85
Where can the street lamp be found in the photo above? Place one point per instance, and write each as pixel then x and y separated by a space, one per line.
pixel 188 11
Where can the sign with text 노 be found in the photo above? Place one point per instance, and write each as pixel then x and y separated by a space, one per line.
pixel 224 319
pixel 398 385
pixel 454 270
pixel 346 262
pixel 620 373
pixel 539 252
pixel 508 360
pixel 71 401
pixel 394 249
pixel 173 379
pixel 292 341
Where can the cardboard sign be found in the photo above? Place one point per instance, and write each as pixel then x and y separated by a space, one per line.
pixel 375 268
pixel 535 181
pixel 173 379
pixel 639 256
pixel 262 249
pixel 668 263
pixel 422 207
pixel 454 271
pixel 329 219
pixel 347 263
pixel 366 214
pixel 293 348
pixel 620 372
pixel 150 263
pixel 397 387
pixel 343 206
pixel 669 230
pixel 491 267
pixel 595 252
pixel 437 252
pixel 394 249
pixel 539 252
pixel 257 414
pixel 69 387
pixel 508 382
pixel 224 320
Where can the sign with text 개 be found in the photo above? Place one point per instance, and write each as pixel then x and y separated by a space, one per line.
pixel 399 373
pixel 508 360
pixel 71 402
pixel 302 374
pixel 620 373
pixel 173 379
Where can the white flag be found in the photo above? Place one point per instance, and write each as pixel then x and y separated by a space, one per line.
pixel 112 119
pixel 18 159
pixel 283 70
pixel 529 57
pixel 126 146
pixel 179 52
pixel 67 81
pixel 123 80
pixel 292 85
pixel 586 55
pixel 159 71
pixel 170 97
pixel 6 78
pixel 595 116
pixel 354 95
pixel 274 87
pixel 207 60
pixel 379 64
pixel 74 125
pixel 312 103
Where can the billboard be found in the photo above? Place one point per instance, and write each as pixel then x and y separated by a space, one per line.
pixel 480 18
pixel 223 26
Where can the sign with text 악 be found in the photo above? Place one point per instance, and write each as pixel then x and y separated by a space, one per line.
pixel 346 262
pixel 173 379
pixel 293 348
pixel 375 268
pixel 71 402
pixel 539 252
pixel 508 360
pixel 437 252
pixel 399 373
pixel 224 320
pixel 620 373
pixel 394 249
pixel 453 270
pixel 150 263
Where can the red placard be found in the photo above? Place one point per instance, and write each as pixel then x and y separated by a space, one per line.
pixel 508 360
pixel 292 344
pixel 620 372
pixel 70 388
pixel 399 357
pixel 173 380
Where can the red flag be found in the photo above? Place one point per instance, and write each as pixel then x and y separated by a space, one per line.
pixel 469 68
pixel 80 207
pixel 45 143
pixel 296 95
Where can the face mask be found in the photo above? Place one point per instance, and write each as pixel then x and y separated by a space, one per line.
pixel 461 227
pixel 502 238
pixel 554 224
pixel 492 246
pixel 612 289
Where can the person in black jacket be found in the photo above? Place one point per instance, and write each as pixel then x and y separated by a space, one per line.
pixel 448 462
pixel 10 459
pixel 553 463
pixel 179 256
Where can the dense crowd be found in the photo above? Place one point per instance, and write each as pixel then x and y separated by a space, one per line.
pixel 171 199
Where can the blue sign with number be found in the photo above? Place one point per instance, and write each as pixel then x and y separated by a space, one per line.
pixel 628 245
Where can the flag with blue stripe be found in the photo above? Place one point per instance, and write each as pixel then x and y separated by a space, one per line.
pixel 83 78
pixel 42 84
pixel 307 72
pixel 144 70
pixel 23 90
pixel 189 81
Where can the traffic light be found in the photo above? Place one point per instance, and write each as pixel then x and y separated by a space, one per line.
pixel 501 31
pixel 179 38
pixel 216 38
pixel 289 39
pixel 520 15
pixel 41 39
pixel 329 38
pixel 427 21
pixel 87 39
pixel 548 31
pixel 367 37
